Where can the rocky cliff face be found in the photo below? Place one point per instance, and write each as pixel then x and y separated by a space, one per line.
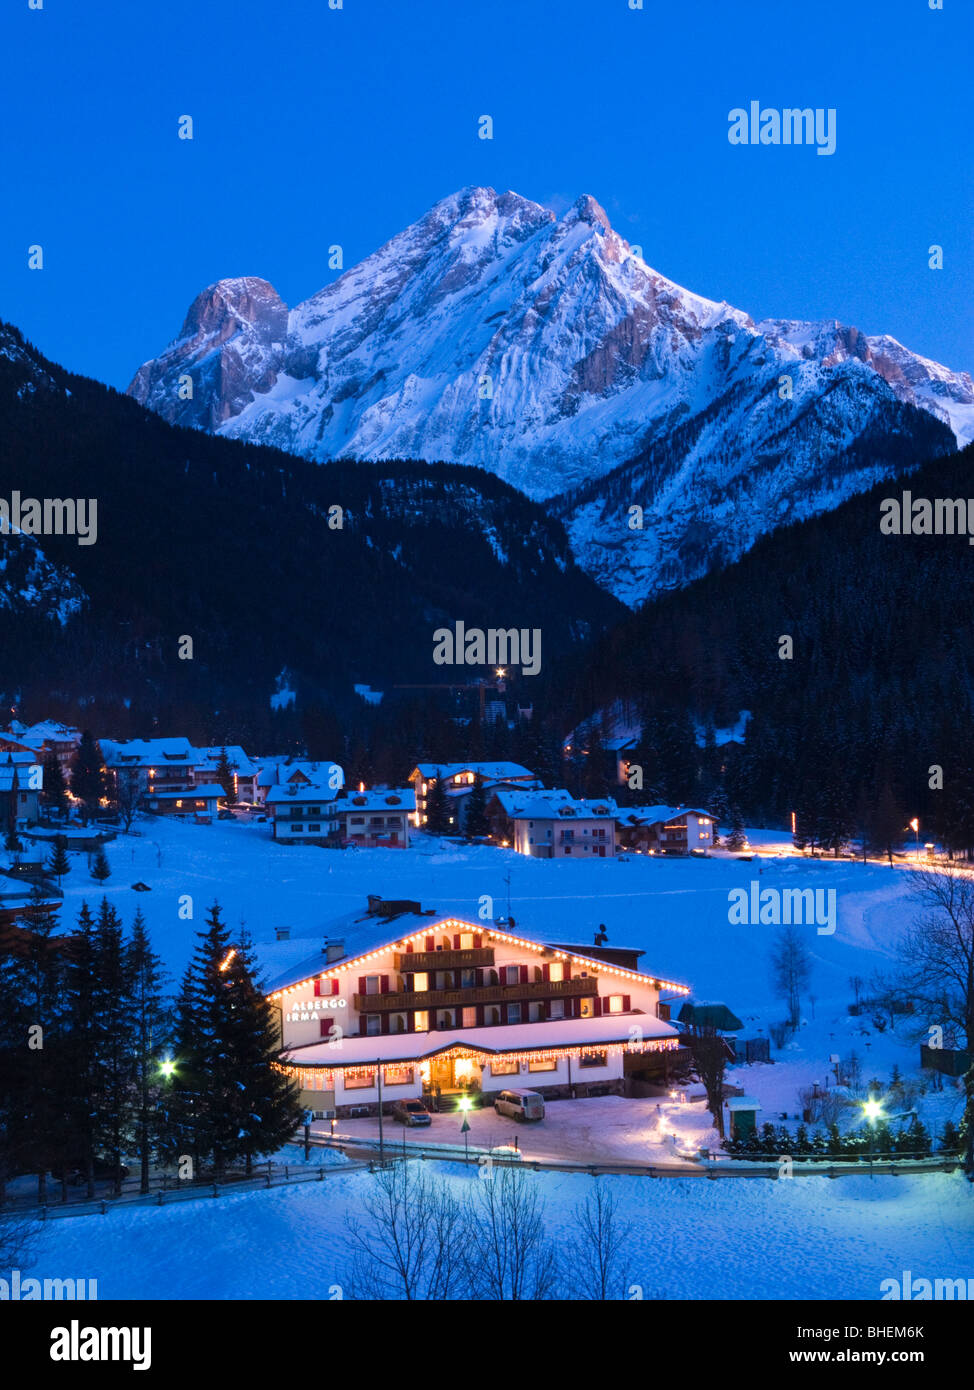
pixel 494 333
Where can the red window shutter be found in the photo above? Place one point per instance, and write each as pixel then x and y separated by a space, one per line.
pixel 477 940
pixel 334 985
pixel 480 1015
pixel 361 984
pixel 318 984
pixel 384 1024
pixel 524 974
pixel 625 1003
pixel 456 941
pixel 327 1024
pixel 431 943
pixel 546 972
pixel 383 984
pixel 598 1007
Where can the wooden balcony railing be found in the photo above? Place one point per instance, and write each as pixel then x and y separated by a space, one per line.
pixel 488 994
pixel 444 960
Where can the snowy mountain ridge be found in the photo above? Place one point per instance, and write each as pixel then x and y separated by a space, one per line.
pixel 541 348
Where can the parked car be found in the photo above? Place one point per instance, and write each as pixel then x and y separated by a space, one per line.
pixel 103 1170
pixel 520 1105
pixel 411 1112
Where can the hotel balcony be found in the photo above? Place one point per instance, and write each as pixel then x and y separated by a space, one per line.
pixel 487 994
pixel 444 960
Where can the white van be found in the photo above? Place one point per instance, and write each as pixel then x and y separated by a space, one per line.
pixel 520 1105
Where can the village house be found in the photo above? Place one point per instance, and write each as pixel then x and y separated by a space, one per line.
pixel 43 739
pixel 199 802
pixel 245 770
pixel 665 829
pixel 376 819
pixel 404 1003
pixel 553 825
pixel 280 772
pixel 460 777
pixel 303 813
pixel 21 784
pixel 157 764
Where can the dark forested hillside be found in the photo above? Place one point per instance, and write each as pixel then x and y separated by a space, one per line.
pixel 877 691
pixel 231 544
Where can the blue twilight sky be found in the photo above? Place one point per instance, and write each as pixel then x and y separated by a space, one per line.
pixel 315 126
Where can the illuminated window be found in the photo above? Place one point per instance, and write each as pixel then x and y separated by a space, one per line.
pixel 358 1078
pixel 593 1059
pixel 421 981
pixel 587 1009
pixel 503 1068
pixel 541 1065
pixel 556 970
pixel 421 1021
pixel 397 1076
pixel 614 1003
pixel 466 941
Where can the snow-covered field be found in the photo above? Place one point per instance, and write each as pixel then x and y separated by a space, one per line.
pixel 691 1238
pixel 810 1237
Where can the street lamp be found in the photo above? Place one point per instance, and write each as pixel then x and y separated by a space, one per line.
pixel 872 1110
pixel 915 827
pixel 464 1106
pixel 168 1068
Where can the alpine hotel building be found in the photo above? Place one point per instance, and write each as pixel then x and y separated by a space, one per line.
pixel 406 1003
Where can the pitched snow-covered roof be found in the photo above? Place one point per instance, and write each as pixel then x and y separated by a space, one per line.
pixel 393 799
pixel 299 793
pixel 237 758
pixel 657 815
pixel 512 1037
pixel 278 774
pixel 496 771
pixel 365 934
pixel 144 752
pixel 560 806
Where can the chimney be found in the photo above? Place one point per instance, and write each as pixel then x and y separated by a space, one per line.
pixel 373 899
pixel 282 933
pixel 334 950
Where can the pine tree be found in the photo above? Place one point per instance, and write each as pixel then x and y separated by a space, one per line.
pixel 54 793
pixel 59 863
pixel 950 1138
pixel 477 823
pixel 87 777
pixel 151 1026
pixel 35 1008
pixel 437 807
pixel 114 1040
pixel 737 839
pixel 80 1073
pixel 100 867
pixel 228 1098
pixel 224 775
pixel 11 843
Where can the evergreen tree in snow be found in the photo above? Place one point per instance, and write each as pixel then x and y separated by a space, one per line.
pixel 100 867
pixel 437 807
pixel 151 1025
pixel 54 793
pixel 477 823
pixel 87 778
pixel 58 862
pixel 224 774
pixel 737 839
pixel 114 1040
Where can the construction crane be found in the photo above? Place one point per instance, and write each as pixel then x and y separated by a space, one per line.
pixel 482 685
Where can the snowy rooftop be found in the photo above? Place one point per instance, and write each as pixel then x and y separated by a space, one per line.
pixel 274 774
pixel 208 791
pixel 656 815
pixel 514 1037
pixel 496 771
pixel 393 799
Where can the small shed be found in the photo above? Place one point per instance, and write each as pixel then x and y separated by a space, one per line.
pixel 743 1116
pixel 717 1016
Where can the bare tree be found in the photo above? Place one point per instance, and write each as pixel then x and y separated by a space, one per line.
pixel 509 1255
pixel 17 1240
pixel 128 794
pixel 595 1258
pixel 935 967
pixel 710 1063
pixel 412 1247
pixel 791 969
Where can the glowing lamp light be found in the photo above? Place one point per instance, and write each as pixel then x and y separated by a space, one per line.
pixel 464 1103
pixel 914 824
pixel 167 1067
pixel 872 1109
